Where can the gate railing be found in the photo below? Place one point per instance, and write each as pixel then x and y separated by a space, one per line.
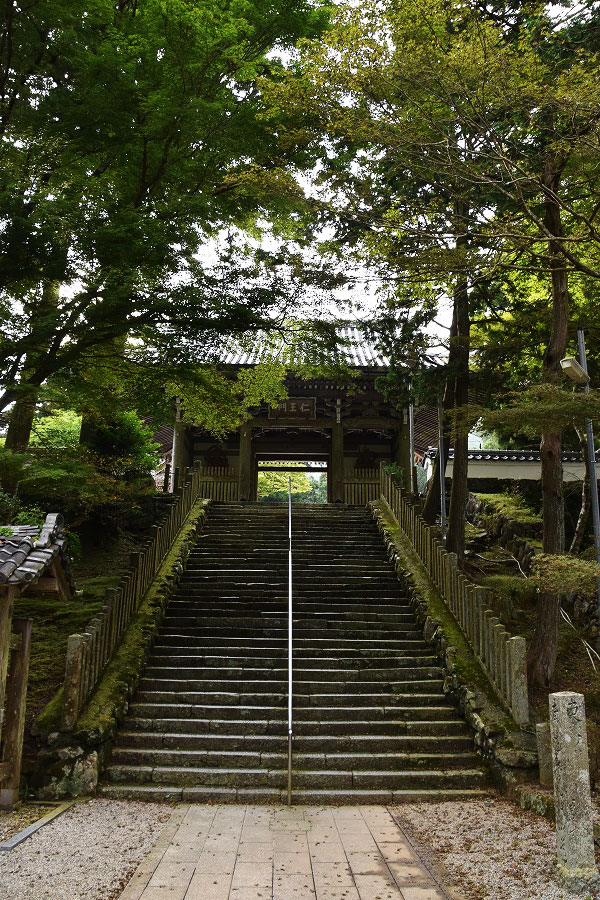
pixel 89 653
pixel 501 655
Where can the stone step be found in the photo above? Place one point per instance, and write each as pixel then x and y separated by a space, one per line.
pixel 244 758
pixel 182 667
pixel 334 779
pixel 153 718
pixel 267 659
pixel 313 643
pixel 166 646
pixel 178 794
pixel 417 707
pixel 383 737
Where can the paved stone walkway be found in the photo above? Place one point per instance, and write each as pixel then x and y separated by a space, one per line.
pixel 276 853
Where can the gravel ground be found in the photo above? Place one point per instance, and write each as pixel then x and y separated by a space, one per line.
pixel 87 853
pixel 13 822
pixel 490 849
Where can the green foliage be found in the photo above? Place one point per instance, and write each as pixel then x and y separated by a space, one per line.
pixel 318 490
pixel 273 486
pixel 122 447
pixel 132 135
pixel 565 575
pixel 538 408
pixel 66 481
pixel 9 506
pixel 60 429
pixel 394 469
pixel 30 515
pixel 513 506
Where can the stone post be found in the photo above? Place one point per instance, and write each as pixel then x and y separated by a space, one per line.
pixel 519 700
pixel 544 750
pixel 574 828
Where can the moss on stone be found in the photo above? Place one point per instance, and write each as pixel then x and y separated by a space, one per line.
pixel 99 716
pixel 513 507
pixel 49 718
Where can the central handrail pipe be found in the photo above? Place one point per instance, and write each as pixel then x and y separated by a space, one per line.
pixel 290 720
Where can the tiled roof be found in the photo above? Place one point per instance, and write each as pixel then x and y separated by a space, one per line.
pixel 508 455
pixel 28 550
pixel 354 350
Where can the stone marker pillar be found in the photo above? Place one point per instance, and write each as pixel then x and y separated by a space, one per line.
pixel 574 828
pixel 544 749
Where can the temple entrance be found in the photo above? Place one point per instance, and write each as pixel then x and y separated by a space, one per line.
pixel 309 479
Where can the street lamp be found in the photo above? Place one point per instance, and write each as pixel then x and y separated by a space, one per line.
pixel 577 372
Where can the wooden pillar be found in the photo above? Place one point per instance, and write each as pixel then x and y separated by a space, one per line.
pixel 337 463
pixel 401 451
pixel 7 599
pixel 246 464
pixel 16 696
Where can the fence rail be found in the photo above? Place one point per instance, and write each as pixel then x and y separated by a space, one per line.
pixel 89 653
pixel 361 487
pixel 219 483
pixel 501 654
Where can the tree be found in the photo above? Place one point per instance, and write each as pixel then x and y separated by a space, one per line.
pixel 129 134
pixel 273 486
pixel 473 140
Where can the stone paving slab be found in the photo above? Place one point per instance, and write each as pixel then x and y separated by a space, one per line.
pixel 278 853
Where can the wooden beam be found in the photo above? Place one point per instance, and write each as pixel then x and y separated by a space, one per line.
pixel 6 611
pixel 371 422
pixel 62 585
pixel 246 491
pixel 14 726
pixel 337 463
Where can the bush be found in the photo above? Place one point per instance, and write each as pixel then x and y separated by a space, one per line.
pixel 59 429
pixel 9 508
pixel 123 447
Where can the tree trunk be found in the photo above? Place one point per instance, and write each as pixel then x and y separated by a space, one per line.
pixel 431 507
pixel 542 651
pixel 455 541
pixel 21 421
pixel 23 411
pixel 586 500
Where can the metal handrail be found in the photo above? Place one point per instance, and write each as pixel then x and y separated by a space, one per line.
pixel 290 720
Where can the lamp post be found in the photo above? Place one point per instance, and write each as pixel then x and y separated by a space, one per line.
pixel 577 372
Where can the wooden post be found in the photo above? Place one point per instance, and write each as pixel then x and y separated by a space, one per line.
pixel 246 492
pixel 16 696
pixel 6 608
pixel 337 462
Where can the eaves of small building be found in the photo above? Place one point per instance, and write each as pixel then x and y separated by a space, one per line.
pixel 35 558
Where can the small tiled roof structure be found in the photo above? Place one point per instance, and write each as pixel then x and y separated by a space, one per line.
pixel 30 553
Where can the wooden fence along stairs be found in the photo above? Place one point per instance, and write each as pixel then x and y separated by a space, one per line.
pixel 501 654
pixel 89 653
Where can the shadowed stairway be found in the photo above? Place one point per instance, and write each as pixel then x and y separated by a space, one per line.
pixel 371 723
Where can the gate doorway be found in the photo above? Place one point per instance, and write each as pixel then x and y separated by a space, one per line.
pixel 309 479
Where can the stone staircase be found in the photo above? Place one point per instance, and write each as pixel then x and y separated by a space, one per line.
pixel 371 725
